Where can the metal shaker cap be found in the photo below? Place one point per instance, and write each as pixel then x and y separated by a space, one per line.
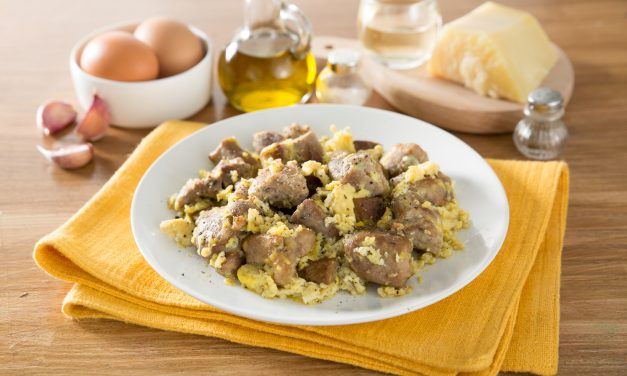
pixel 343 60
pixel 545 101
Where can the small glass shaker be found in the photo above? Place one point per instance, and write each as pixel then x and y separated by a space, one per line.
pixel 541 134
pixel 340 81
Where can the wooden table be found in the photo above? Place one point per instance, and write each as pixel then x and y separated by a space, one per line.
pixel 35 197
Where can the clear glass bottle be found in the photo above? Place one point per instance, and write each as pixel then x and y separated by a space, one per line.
pixel 268 62
pixel 542 134
pixel 340 81
pixel 400 34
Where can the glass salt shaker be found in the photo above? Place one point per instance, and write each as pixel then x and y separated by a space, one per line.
pixel 541 134
pixel 340 81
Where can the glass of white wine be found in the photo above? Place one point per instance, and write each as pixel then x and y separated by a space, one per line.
pixel 400 34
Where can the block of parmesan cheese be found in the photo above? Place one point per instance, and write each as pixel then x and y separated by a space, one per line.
pixel 496 51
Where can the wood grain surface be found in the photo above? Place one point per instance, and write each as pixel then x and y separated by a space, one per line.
pixel 35 197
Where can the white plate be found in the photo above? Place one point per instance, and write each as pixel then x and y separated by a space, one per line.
pixel 479 191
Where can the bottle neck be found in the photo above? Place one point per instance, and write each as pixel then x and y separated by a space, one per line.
pixel 262 14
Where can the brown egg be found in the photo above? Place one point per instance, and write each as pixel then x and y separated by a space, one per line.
pixel 117 55
pixel 177 48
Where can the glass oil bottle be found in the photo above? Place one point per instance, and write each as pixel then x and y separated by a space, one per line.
pixel 268 63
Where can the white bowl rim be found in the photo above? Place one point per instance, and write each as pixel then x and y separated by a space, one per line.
pixel 83 41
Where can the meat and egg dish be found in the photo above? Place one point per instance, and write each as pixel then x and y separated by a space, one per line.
pixel 303 217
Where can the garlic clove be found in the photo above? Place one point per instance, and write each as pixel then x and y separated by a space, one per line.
pixel 69 157
pixel 95 123
pixel 53 116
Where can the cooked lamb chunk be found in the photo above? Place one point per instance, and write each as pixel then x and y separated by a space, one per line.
pixel 265 138
pixel 229 148
pixel 278 150
pixel 401 156
pixel 361 171
pixel 233 261
pixel 301 149
pixel 436 190
pixel 308 148
pixel 196 189
pixel 283 189
pixel 284 260
pixel 283 268
pixel 338 154
pixel 258 247
pixel 301 244
pixel 214 229
pixel 386 262
pixel 295 130
pixel 225 166
pixel 313 183
pixel 240 208
pixel 364 144
pixel 241 190
pixel 309 214
pixel 321 271
pixel 220 177
pixel 369 209
pixel 279 252
pixel 420 225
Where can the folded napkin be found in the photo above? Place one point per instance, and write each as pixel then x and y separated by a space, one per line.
pixel 506 319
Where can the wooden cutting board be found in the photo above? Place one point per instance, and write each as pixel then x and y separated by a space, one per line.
pixel 444 103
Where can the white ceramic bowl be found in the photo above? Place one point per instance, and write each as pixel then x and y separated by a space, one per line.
pixel 147 103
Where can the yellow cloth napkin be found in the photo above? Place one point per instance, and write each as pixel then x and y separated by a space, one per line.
pixel 506 319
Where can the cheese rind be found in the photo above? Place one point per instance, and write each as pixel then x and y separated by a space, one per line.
pixel 496 51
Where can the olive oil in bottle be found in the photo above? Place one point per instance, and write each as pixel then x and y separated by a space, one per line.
pixel 268 63
pixel 263 72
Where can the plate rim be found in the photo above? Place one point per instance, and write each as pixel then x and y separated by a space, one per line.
pixel 363 317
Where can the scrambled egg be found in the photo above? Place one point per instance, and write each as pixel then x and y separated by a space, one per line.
pixel 190 210
pixel 281 229
pixel 342 140
pixel 350 281
pixel 316 169
pixel 260 281
pixel 419 172
pixel 274 165
pixel 257 223
pixel 218 260
pixel 224 194
pixel 414 174
pixel 180 230
pixel 393 292
pixel 369 250
pixel 371 253
pixel 339 201
pixel 386 219
pixel 336 200
pixel 453 219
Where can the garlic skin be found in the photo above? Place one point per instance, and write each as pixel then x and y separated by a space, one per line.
pixel 53 116
pixel 95 123
pixel 69 157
